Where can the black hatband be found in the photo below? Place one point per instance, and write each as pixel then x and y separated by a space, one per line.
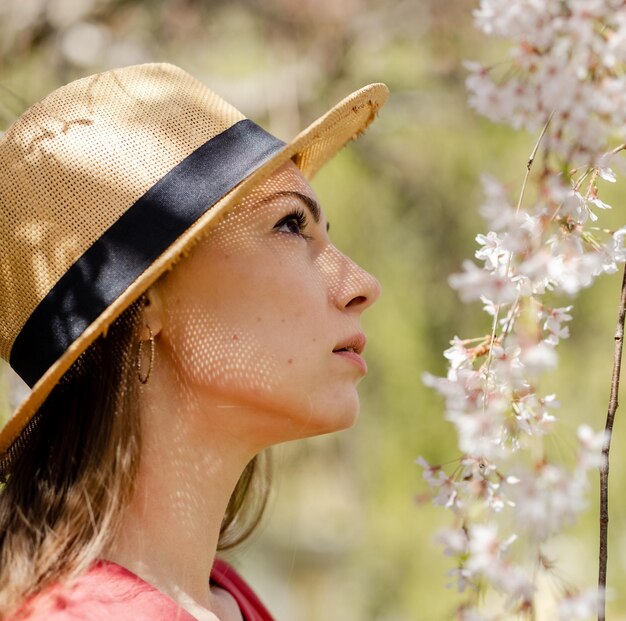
pixel 132 243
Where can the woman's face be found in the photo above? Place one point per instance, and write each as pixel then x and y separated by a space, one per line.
pixel 257 320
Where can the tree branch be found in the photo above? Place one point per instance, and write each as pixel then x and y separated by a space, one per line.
pixel 604 469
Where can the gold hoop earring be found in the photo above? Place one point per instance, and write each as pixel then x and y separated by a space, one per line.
pixel 144 380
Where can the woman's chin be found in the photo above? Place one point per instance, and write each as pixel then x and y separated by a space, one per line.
pixel 331 420
pixel 268 420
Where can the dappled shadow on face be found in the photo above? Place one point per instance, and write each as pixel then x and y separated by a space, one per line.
pixel 253 314
pixel 217 355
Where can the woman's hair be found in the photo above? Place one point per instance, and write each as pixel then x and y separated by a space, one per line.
pixel 73 470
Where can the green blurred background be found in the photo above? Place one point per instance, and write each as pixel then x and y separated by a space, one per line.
pixel 344 537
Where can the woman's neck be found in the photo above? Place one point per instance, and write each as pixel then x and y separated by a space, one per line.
pixel 189 468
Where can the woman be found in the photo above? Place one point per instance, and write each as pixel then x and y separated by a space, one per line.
pixel 170 293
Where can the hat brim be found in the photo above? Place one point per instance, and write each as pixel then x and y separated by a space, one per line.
pixel 310 149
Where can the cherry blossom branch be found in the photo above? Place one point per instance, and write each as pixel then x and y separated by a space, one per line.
pixel 531 159
pixel 604 468
pixel 508 495
pixel 520 200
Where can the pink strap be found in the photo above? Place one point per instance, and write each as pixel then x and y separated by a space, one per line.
pixel 224 576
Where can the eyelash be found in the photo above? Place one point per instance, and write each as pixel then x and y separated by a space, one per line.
pixel 298 216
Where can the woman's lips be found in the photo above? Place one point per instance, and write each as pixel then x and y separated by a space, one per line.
pixel 351 349
pixel 352 357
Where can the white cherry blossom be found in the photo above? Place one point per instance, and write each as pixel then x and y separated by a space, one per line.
pixel 454 541
pixel 475 283
pixel 591 445
pixel 582 605
pixel 492 252
pixel 547 500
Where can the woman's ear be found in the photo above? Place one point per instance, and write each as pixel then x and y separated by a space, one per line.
pixel 152 314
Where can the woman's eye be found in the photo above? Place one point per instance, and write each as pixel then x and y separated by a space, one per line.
pixel 293 223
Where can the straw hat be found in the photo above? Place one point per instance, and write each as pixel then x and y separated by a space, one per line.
pixel 105 183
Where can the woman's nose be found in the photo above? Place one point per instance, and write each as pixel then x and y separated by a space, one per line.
pixel 350 286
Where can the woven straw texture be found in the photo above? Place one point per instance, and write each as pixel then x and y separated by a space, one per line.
pixel 76 161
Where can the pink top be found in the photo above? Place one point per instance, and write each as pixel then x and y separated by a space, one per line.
pixel 110 592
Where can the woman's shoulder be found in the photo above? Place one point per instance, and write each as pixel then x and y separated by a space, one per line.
pixel 106 592
pixel 110 592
